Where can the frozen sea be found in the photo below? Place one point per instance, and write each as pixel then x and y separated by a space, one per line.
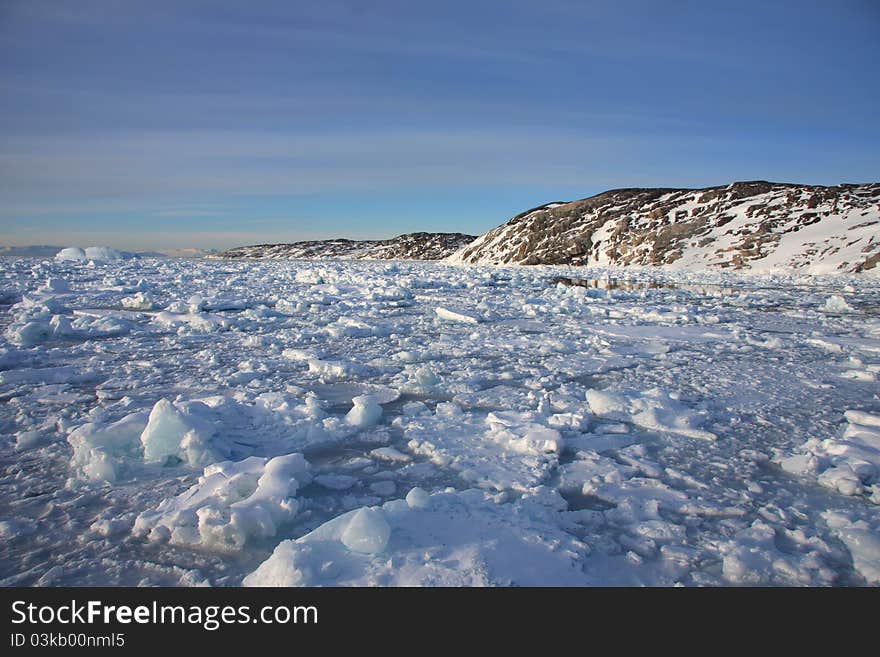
pixel 212 422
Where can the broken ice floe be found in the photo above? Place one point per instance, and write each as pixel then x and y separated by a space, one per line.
pixel 262 359
pixel 231 503
pixel 849 464
pixel 196 433
pixel 502 451
pixel 862 540
pixel 450 315
pixel 651 409
pixel 445 539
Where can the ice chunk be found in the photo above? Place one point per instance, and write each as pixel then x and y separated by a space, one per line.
pixel 748 559
pixel 290 565
pixel 862 418
pixel 503 451
pixel 864 546
pixel 652 409
pixel 426 377
pixel 170 434
pixel 418 498
pixel 354 328
pixel 456 316
pixel 365 413
pixel 335 482
pixel 29 333
pixel 197 322
pixel 100 453
pixel 843 479
pixel 232 503
pixel 71 253
pixel 56 284
pixel 330 369
pixel 43 375
pixel 103 254
pixel 140 301
pixel 299 355
pixel 607 405
pixel 520 433
pixel 862 541
pixel 849 463
pixel 344 392
pixel 39 323
pixel 837 304
pixel 390 454
pixel 367 531
pixel 589 470
pixel 799 464
pixel 28 439
pixel 415 408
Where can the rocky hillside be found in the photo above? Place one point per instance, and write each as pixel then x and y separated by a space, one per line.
pixel 759 226
pixel 412 246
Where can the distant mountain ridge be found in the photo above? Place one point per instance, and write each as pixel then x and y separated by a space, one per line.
pixel 43 251
pixel 410 246
pixel 34 251
pixel 758 226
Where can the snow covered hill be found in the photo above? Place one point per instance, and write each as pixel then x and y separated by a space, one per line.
pixel 757 226
pixel 411 246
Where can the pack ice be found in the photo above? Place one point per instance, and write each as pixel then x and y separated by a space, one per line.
pixel 323 422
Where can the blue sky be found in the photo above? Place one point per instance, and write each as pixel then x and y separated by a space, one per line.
pixel 156 124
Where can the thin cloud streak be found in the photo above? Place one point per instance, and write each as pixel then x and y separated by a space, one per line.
pixel 370 116
pixel 246 163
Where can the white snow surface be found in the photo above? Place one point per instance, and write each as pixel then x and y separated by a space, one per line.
pixel 285 422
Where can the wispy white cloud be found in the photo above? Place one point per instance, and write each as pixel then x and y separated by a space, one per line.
pixel 241 163
pixel 183 213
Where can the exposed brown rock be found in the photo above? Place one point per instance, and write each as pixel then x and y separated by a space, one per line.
pixel 747 220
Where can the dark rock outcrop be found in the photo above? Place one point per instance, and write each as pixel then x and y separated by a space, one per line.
pixel 411 246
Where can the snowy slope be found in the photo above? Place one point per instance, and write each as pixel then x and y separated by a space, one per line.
pixel 411 246
pixel 755 226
